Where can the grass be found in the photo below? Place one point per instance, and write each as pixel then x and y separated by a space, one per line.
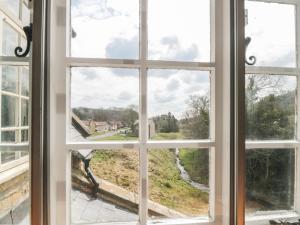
pixel 168 136
pixel 169 189
pixel 196 163
pixel 165 184
pixel 118 137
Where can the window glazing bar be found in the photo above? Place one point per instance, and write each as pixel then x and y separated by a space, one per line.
pixel 14 61
pixel 272 144
pixel 272 70
pixel 11 147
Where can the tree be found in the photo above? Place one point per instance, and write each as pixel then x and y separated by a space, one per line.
pixel 129 118
pixel 270 115
pixel 196 118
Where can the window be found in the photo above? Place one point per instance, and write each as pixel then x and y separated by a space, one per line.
pixel 272 120
pixel 135 104
pixel 14 118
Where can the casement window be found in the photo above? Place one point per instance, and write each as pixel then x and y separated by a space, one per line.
pixel 14 83
pixel 151 67
pixel 272 128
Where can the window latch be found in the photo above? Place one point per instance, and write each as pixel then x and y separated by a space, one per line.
pixel 252 59
pixel 28 33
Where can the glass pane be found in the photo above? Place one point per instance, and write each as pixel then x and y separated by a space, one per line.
pixel 270 103
pixel 271 27
pixel 25 81
pixel 8 136
pixel 10 79
pixel 9 40
pixel 8 111
pixel 179 104
pixel 12 6
pixel 105 28
pixel 24 135
pixel 178 183
pixel 115 199
pixel 179 30
pixel 104 104
pixel 7 157
pixel 25 14
pixel 24 112
pixel 269 180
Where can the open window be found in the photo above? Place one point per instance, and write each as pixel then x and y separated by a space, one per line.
pixel 138 102
pixel 272 111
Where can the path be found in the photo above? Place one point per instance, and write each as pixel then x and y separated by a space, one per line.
pixel 100 136
pixel 185 176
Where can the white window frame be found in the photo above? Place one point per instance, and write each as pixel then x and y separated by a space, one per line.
pixel 281 144
pixel 59 94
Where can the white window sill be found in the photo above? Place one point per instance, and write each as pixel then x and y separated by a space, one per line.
pixel 14 171
pixel 186 221
pixel 263 218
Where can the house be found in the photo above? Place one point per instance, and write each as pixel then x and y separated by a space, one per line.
pixel 102 126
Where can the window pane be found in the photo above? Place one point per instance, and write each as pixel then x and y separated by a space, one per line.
pixel 24 135
pixel 271 27
pixel 9 111
pixel 10 79
pixel 25 81
pixel 25 15
pixel 179 104
pixel 105 28
pixel 10 40
pixel 104 103
pixel 116 198
pixel 179 30
pixel 8 136
pixel 270 103
pixel 12 6
pixel 178 183
pixel 269 180
pixel 24 112
pixel 7 157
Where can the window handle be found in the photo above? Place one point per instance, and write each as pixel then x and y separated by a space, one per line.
pixel 28 33
pixel 252 59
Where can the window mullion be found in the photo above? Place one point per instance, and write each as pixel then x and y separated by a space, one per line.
pixel 143 190
pixel 297 155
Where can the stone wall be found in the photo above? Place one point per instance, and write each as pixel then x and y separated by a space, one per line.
pixel 13 192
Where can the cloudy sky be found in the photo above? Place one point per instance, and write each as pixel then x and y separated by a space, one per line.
pixel 178 30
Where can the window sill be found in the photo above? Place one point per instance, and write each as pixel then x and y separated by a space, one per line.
pixel 264 217
pixel 191 221
pixel 14 171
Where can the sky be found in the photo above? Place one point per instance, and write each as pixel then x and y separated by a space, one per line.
pixel 177 30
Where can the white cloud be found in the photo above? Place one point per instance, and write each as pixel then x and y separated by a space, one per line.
pixel 105 90
pixel 98 22
pixel 170 93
